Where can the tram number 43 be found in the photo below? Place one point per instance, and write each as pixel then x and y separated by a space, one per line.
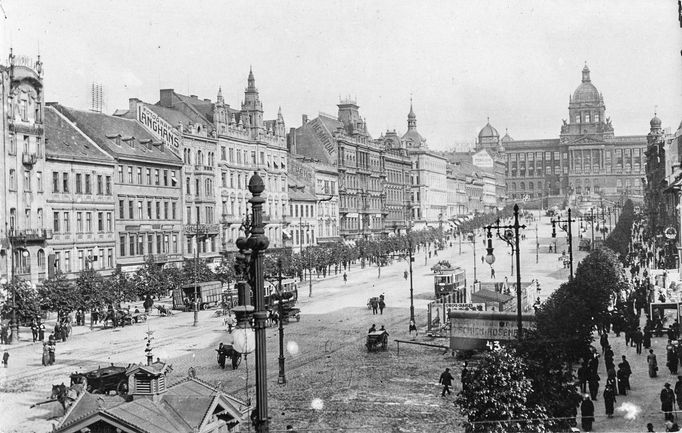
pixel 493 345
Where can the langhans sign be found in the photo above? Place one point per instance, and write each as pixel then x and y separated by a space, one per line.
pixel 157 126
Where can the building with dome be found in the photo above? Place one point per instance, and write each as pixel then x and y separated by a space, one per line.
pixel 586 161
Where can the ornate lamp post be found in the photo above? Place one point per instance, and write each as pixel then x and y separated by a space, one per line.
pixel 472 238
pixel 563 226
pixel 281 379
pixel 490 258
pixel 256 243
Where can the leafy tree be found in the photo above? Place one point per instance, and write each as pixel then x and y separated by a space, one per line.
pixel 225 271
pixel 90 288
pixel 58 294
pixel 598 278
pixel 619 239
pixel 150 280
pixel 496 392
pixel 26 301
pixel 119 288
pixel 190 267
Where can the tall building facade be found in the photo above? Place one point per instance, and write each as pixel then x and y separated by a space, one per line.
pixel 586 160
pixel 24 231
pixel 80 200
pixel 147 188
pixel 397 188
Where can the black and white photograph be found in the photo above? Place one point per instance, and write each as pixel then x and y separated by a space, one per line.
pixel 340 216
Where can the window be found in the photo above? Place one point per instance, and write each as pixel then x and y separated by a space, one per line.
pixel 150 243
pixel 67 225
pixel 79 222
pixel 158 243
pixel 577 118
pixel 27 180
pixel 223 179
pixel 107 185
pixel 156 177
pixel 189 214
pixel 222 153
pixel 230 153
pixel 88 222
pixel 122 245
pixel 139 210
pixel 165 178
pixel 130 174
pixel 100 186
pixel 187 186
pixel 13 145
pixel 149 209
pixel 110 258
pixel 100 221
pixel 88 184
pixel 39 181
pixel 79 187
pixel 175 243
pixel 253 157
pixel 197 190
pixel 81 260
pixel 67 261
pixel 149 176
pixel 209 186
pixel 173 210
pixel 131 244
pixel 140 245
pixel 158 210
pixel 65 182
pixel 55 222
pixel 109 222
pixel 41 260
pixel 165 210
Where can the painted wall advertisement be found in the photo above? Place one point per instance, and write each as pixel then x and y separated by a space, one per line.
pixel 157 126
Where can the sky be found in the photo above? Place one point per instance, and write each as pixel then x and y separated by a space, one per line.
pixel 461 61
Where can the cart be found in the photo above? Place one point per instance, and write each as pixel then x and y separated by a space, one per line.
pixel 103 380
pixel 377 340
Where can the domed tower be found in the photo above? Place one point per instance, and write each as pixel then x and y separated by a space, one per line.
pixel 505 140
pixel 586 111
pixel 655 130
pixel 488 138
pixel 412 137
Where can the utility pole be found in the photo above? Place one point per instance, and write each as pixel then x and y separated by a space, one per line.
pixel 537 242
pixel 569 231
pixel 473 242
pixel 196 262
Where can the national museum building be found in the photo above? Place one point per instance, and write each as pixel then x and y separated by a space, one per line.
pixel 586 159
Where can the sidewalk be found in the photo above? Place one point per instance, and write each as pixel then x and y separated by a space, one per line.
pixel 645 392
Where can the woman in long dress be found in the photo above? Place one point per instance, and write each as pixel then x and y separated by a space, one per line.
pixel 46 354
pixel 653 364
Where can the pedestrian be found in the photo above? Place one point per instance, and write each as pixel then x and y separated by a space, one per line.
pixel 482 259
pixel 465 372
pixel 604 341
pixel 382 305
pixel 34 330
pixel 594 364
pixel 608 358
pixel 375 305
pixel 678 391
pixel 620 375
pixel 638 337
pixel 609 400
pixel 41 331
pixel 405 275
pixel 653 364
pixel 5 358
pixel 593 384
pixel 667 401
pixel 290 428
pixel 587 413
pixel 413 327
pixel 446 381
pixel 51 350
pixel 583 371
pixel 345 278
pixel 221 355
pixel 46 355
pixel 650 428
pixel 492 272
pixel 372 328
pixel 671 359
pixel 646 339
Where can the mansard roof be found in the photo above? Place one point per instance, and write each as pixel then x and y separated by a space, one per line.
pixel 64 140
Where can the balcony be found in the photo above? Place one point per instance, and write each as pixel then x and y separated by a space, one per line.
pixel 157 258
pixel 203 168
pixel 29 158
pixel 202 229
pixel 29 235
pixel 21 128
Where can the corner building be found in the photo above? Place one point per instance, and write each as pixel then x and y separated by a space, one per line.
pixel 586 160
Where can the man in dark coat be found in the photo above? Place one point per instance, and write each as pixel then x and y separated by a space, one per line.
pixel 671 359
pixel 609 400
pixel 221 356
pixel 620 374
pixel 678 391
pixel 583 371
pixel 446 381
pixel 638 337
pixel 593 384
pixel 627 371
pixel 667 401
pixel 587 413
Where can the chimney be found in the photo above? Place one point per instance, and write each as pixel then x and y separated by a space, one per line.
pixel 291 140
pixel 132 106
pixel 304 119
pixel 166 97
pixel 194 96
pixel 207 100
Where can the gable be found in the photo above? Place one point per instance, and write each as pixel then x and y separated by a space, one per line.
pixel 483 159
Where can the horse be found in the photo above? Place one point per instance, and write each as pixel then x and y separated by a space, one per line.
pixel 66 396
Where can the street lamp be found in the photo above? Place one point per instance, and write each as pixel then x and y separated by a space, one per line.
pixel 472 238
pixel 490 258
pixel 562 226
pixel 281 379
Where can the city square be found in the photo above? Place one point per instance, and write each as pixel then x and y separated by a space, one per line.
pixel 174 262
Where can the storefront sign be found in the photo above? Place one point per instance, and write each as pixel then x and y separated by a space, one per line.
pixel 473 329
pixel 157 126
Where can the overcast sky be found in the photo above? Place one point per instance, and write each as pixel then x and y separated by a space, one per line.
pixel 462 61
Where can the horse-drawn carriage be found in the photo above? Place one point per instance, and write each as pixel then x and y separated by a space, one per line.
pixel 103 380
pixel 377 340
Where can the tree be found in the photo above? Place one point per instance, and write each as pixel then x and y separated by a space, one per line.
pixel 89 288
pixel 619 238
pixel 150 280
pixel 225 271
pixel 57 294
pixel 203 272
pixel 497 392
pixel 119 288
pixel 598 279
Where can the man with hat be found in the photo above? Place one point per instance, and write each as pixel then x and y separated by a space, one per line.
pixel 667 401
pixel 446 381
pixel 678 391
pixel 587 413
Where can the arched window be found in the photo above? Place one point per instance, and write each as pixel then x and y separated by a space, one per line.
pixel 531 185
pixel 513 186
pixel 200 158
pixel 208 187
pixel 577 118
pixel 41 260
pixel 522 186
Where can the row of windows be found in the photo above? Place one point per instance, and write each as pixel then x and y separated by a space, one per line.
pixel 27 180
pixel 242 157
pixel 139 244
pixel 139 176
pixel 102 259
pixel 208 211
pixel 26 148
pixel 83 183
pixel 187 157
pixel 152 210
pixel 61 222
